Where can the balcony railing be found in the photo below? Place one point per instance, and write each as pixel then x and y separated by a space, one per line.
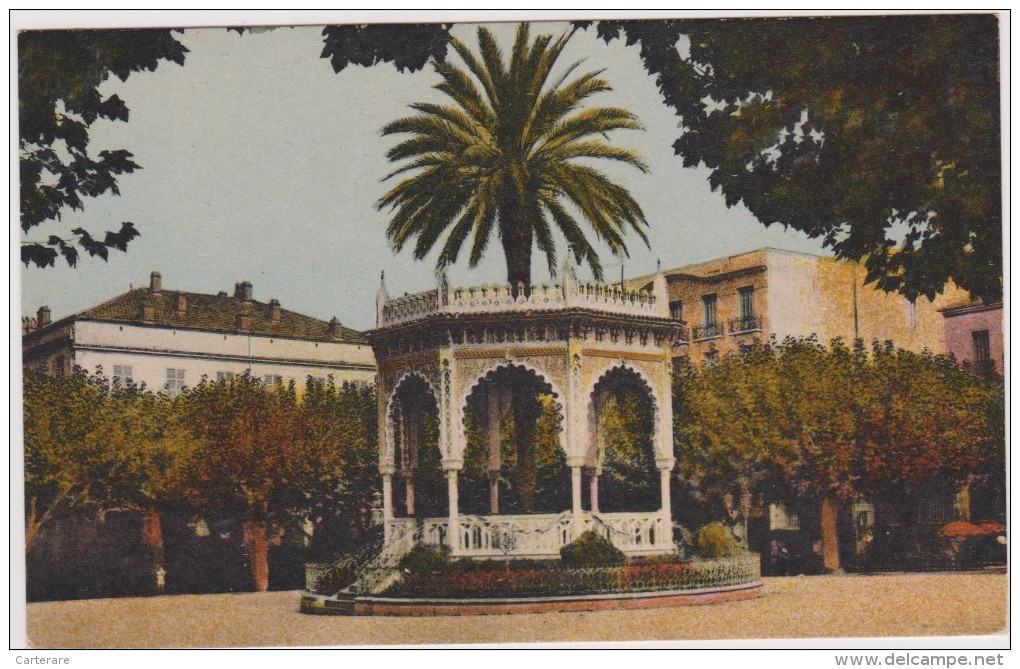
pixel 745 324
pixel 705 331
pixel 683 336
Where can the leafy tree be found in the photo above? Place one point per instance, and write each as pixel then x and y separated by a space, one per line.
pixel 408 46
pixel 878 135
pixel 624 426
pixel 925 419
pixel 341 434
pixel 798 421
pixel 63 457
pixel 59 75
pixel 255 458
pixel 724 439
pixel 152 453
pixel 819 392
pixel 504 156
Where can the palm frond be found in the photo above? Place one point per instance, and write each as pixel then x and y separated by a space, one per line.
pixel 544 239
pixel 591 149
pixel 458 85
pixel 592 121
pixel 511 147
pixel 492 57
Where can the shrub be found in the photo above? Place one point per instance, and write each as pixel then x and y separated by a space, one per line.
pixel 424 559
pixel 683 541
pixel 714 540
pixel 591 550
pixel 336 578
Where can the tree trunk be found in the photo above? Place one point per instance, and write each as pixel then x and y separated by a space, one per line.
pixel 32 525
pixel 745 513
pixel 830 534
pixel 517 236
pixel 152 539
pixel 258 548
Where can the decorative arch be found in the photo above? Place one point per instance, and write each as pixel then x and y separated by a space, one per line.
pixel 388 456
pixel 532 379
pixel 649 388
pixel 492 369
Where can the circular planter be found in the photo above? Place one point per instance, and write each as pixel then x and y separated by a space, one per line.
pixel 379 605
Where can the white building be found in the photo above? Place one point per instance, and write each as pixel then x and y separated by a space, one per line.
pixel 168 339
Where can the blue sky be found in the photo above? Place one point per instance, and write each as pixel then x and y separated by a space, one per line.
pixel 262 164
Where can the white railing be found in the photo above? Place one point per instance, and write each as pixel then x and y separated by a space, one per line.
pixel 634 533
pixel 500 297
pixel 536 535
pixel 403 536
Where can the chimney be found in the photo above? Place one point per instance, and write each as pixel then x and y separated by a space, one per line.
pixel 334 329
pixel 182 304
pixel 42 317
pixel 243 321
pixel 274 311
pixel 155 283
pixel 243 291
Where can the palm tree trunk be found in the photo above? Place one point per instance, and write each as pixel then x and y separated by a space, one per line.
pixel 524 434
pixel 517 235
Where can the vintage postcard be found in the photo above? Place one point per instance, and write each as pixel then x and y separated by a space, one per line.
pixel 416 329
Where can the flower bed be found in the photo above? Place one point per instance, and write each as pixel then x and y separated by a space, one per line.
pixel 473 582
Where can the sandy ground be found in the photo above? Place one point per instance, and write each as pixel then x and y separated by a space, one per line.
pixel 954 604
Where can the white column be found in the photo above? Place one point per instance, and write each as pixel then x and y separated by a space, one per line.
pixel 453 527
pixel 594 480
pixel 665 466
pixel 575 488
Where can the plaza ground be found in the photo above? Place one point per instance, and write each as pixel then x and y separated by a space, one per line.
pixel 889 605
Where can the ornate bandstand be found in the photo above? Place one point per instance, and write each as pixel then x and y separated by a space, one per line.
pixel 574 344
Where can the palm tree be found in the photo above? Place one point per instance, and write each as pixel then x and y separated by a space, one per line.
pixel 510 153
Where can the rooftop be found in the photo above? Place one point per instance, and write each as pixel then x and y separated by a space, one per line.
pixel 154 306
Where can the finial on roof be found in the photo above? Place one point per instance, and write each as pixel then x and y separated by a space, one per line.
pixel 568 266
pixel 381 298
pixel 658 266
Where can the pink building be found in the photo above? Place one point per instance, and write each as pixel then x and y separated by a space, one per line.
pixel 974 335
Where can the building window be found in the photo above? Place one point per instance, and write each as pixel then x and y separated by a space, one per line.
pixel 222 376
pixel 676 310
pixel 174 380
pixel 747 303
pixel 123 375
pixel 710 314
pixel 982 347
pixel 272 380
pixel 747 321
pixel 710 326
